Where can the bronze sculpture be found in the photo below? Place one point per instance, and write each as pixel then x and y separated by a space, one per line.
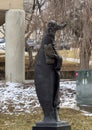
pixel 47 76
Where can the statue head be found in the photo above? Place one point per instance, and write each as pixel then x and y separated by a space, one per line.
pixel 54 26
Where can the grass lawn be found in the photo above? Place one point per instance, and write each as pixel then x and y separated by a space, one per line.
pixel 25 121
pixel 69 53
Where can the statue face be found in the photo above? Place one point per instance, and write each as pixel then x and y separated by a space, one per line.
pixel 55 26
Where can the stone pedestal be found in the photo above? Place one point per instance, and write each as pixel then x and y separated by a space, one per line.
pixel 61 125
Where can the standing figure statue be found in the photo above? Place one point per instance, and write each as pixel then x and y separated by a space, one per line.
pixel 47 74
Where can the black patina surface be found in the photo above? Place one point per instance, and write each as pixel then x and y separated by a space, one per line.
pixel 47 69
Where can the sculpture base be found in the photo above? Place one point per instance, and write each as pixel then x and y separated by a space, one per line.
pixel 62 125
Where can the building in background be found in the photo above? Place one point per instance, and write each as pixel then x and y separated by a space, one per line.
pixel 9 4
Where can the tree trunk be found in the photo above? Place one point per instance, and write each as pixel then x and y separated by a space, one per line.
pixel 85 54
pixel 30 58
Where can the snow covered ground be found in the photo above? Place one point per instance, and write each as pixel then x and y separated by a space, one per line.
pixel 76 60
pixel 68 94
pixel 17 98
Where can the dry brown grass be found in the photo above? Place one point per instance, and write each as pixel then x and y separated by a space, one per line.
pixel 25 121
pixel 69 53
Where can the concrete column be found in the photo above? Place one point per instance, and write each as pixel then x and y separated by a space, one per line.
pixel 15 46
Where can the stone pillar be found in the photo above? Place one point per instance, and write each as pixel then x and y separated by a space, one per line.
pixel 15 46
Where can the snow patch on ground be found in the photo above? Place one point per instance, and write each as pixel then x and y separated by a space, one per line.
pixel 16 98
pixel 68 94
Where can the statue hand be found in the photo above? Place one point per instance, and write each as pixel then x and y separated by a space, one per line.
pixel 59 63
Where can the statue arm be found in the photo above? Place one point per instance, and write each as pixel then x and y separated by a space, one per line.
pixel 49 51
pixel 52 56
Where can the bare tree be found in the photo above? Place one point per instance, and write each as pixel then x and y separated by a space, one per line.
pixel 78 14
pixel 82 29
pixel 29 9
pixel 2 30
pixel 86 43
pixel 34 23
